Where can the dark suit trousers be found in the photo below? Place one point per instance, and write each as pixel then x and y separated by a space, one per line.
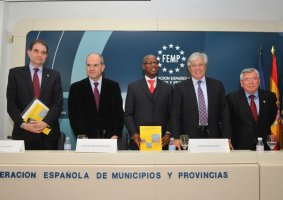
pixel 203 132
pixel 40 143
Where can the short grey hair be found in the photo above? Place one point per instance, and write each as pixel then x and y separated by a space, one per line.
pixel 98 54
pixel 197 55
pixel 247 71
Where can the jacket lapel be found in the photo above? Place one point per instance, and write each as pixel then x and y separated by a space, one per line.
pixel 194 96
pixel 89 94
pixel 246 107
pixel 28 79
pixel 146 89
pixel 44 80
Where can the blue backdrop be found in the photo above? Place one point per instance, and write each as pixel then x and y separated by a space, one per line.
pixel 123 51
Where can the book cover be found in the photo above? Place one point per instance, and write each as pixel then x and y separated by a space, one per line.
pixel 150 138
pixel 36 111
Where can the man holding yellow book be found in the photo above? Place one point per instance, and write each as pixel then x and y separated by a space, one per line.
pixel 148 103
pixel 25 85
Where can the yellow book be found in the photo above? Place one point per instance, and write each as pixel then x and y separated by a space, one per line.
pixel 36 111
pixel 150 138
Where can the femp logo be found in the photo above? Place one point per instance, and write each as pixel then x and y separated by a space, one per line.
pixel 172 63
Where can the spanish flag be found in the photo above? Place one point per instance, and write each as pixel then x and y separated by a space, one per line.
pixel 275 127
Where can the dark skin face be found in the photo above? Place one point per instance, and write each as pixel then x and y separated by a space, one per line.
pixel 150 66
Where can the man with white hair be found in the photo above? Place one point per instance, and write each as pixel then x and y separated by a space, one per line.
pixel 199 104
pixel 252 111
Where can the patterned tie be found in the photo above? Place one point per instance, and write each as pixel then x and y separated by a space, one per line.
pixel 35 81
pixel 151 88
pixel 253 107
pixel 96 95
pixel 201 107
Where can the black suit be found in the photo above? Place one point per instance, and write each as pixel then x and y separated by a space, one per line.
pixel 145 109
pixel 83 115
pixel 245 129
pixel 20 94
pixel 185 117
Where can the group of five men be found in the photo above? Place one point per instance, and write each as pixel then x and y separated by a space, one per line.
pixel 197 106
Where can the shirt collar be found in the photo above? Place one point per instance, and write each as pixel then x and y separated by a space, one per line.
pixel 255 94
pixel 31 67
pixel 99 81
pixel 147 78
pixel 195 82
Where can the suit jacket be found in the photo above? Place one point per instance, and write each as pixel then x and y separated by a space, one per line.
pixel 145 109
pixel 20 94
pixel 185 119
pixel 83 114
pixel 245 129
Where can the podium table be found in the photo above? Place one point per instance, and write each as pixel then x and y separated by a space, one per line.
pixel 45 175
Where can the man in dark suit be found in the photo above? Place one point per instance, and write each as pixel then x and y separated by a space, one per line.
pixel 248 126
pixel 199 105
pixel 148 103
pixel 21 92
pixel 95 103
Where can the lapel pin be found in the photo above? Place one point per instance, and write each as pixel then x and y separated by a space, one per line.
pixel 47 75
pixel 264 101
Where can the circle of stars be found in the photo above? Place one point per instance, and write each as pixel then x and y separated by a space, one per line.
pixel 176 69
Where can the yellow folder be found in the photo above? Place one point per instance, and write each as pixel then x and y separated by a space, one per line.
pixel 36 111
pixel 150 138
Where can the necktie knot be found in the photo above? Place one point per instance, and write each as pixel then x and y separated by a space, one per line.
pixel 96 84
pixel 151 88
pixel 252 97
pixel 199 83
pixel 35 70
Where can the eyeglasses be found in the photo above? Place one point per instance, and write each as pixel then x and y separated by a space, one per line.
pixel 250 79
pixel 197 65
pixel 150 63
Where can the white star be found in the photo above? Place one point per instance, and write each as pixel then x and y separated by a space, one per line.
pixel 159 52
pixel 182 65
pixel 164 47
pixel 177 69
pixel 182 52
pixel 159 65
pixel 164 69
pixel 158 58
pixel 171 46
pixel 183 59
pixel 177 47
pixel 170 71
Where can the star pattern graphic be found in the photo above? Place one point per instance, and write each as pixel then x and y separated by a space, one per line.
pixel 167 49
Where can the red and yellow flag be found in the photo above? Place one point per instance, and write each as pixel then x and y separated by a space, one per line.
pixel 275 128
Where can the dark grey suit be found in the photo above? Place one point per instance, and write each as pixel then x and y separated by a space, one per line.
pixel 245 129
pixel 20 94
pixel 145 109
pixel 185 119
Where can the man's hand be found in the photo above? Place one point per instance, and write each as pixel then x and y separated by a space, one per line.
pixel 177 144
pixel 165 139
pixel 35 126
pixel 114 137
pixel 230 145
pixel 137 139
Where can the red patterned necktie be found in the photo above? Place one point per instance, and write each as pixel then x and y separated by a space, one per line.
pixel 96 94
pixel 151 88
pixel 253 107
pixel 36 85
